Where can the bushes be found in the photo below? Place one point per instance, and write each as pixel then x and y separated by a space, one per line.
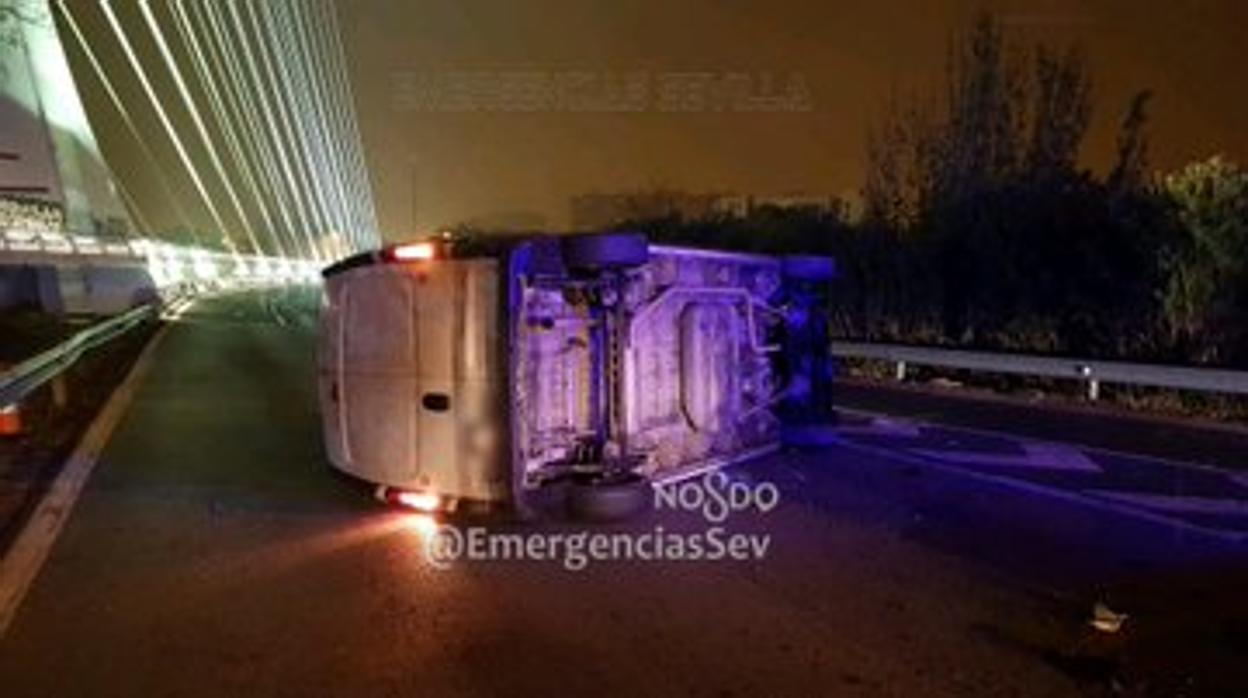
pixel 1075 266
pixel 1206 294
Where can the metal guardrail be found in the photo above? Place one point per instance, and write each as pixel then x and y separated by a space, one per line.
pixel 1089 371
pixel 22 379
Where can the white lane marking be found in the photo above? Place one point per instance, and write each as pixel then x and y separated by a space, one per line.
pixel 30 549
pixel 1086 448
pixel 174 312
pixel 273 307
pixel 1043 456
pixel 1240 479
pixel 276 312
pixel 1179 503
pixel 1080 497
pixel 883 426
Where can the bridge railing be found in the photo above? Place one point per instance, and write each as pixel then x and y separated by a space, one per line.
pixel 56 243
pixel 167 263
pixel 24 378
pixel 1091 372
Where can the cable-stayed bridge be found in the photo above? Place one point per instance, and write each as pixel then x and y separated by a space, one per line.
pixel 178 129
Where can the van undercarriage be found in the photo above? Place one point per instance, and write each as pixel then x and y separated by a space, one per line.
pixel 669 368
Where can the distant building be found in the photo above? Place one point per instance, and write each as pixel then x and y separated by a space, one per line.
pixel 596 210
pixel 740 206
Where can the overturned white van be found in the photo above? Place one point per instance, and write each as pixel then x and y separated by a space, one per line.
pixel 454 371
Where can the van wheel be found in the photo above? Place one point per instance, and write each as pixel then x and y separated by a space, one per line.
pixel 808 268
pixel 605 251
pixel 609 497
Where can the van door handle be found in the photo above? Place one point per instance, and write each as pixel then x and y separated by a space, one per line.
pixel 436 402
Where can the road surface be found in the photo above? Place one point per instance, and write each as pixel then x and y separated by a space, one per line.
pixel 213 553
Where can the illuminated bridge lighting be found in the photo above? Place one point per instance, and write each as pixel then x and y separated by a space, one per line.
pixel 172 132
pixel 217 104
pixel 185 94
pixel 254 118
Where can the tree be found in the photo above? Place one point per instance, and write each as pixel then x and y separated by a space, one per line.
pixel 1020 247
pixel 1206 300
pixel 978 143
pixel 1129 170
pixel 1061 110
pixel 1009 112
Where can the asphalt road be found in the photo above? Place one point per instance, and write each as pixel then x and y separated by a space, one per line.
pixel 1100 426
pixel 213 553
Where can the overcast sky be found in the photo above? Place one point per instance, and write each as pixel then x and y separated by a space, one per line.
pixel 523 161
pixel 500 110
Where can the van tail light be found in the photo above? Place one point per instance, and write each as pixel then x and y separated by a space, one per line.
pixel 416 501
pixel 412 252
pixel 420 501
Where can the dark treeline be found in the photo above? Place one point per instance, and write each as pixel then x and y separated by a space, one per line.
pixel 979 228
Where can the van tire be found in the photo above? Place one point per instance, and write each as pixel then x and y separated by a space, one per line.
pixel 605 251
pixel 603 498
pixel 808 268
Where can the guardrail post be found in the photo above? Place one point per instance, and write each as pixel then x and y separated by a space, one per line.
pixel 901 371
pixel 60 391
pixel 1094 385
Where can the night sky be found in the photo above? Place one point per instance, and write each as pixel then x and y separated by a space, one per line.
pixel 520 166
pixel 515 160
